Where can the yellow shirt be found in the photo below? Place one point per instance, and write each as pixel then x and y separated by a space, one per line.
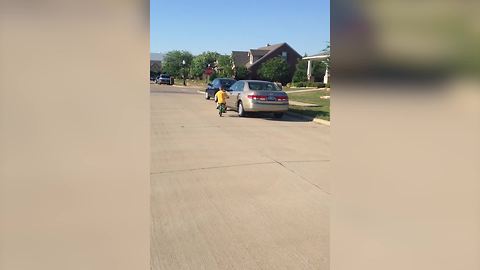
pixel 221 96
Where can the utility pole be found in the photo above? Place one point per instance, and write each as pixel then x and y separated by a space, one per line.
pixel 183 63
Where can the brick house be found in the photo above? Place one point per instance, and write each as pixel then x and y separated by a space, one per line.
pixel 156 63
pixel 155 66
pixel 254 58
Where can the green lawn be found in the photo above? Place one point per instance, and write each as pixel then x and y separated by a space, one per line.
pixel 287 89
pixel 323 109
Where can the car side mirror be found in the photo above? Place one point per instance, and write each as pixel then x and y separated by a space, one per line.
pixel 209 84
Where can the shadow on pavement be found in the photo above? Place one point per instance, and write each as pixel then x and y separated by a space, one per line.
pixel 269 117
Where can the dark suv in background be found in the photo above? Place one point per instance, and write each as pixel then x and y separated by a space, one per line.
pixel 164 79
pixel 216 84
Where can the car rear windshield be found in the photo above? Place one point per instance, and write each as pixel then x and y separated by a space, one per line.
pixel 263 86
pixel 227 83
pixel 165 76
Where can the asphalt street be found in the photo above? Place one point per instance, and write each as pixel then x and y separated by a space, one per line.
pixel 236 193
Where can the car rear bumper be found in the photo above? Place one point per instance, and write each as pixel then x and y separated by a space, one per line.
pixel 250 106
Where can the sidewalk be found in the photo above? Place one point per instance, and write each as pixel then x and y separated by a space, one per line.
pixel 303 104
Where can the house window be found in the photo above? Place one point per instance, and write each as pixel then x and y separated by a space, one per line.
pixel 284 55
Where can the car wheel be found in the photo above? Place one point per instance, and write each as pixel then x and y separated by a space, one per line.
pixel 278 115
pixel 241 111
pixel 207 96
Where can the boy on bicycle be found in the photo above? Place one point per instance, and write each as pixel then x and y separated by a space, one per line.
pixel 221 97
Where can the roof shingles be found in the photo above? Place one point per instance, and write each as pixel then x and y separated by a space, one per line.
pixel 240 58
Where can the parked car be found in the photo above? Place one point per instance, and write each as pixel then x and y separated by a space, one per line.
pixel 164 79
pixel 216 84
pixel 257 96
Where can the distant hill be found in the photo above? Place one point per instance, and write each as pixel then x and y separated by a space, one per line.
pixel 157 56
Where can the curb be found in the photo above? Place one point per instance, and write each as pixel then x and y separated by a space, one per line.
pixel 321 121
pixel 315 120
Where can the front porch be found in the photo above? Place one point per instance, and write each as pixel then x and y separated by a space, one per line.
pixel 317 57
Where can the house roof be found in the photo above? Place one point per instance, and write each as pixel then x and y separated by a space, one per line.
pixel 272 49
pixel 156 56
pixel 155 62
pixel 257 52
pixel 240 58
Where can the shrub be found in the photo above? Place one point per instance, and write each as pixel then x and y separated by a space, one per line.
pixel 300 84
pixel 315 84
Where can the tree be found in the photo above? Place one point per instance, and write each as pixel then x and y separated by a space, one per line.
pixel 173 63
pixel 213 76
pixel 300 74
pixel 327 61
pixel 241 73
pixel 201 62
pixel 275 70
pixel 224 66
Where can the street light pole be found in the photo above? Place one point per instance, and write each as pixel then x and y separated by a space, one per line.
pixel 183 63
pixel 208 74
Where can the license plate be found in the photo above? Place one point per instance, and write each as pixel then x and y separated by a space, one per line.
pixel 271 98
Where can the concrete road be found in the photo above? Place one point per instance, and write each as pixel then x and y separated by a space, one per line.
pixel 235 193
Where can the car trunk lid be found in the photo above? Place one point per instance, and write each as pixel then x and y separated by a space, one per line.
pixel 269 97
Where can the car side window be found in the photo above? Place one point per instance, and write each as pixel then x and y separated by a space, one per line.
pixel 234 86
pixel 215 83
pixel 239 86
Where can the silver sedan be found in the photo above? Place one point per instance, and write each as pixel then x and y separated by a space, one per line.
pixel 257 96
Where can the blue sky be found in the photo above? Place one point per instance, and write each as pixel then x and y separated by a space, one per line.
pixel 232 25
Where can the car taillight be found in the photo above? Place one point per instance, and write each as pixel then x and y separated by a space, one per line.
pixel 282 98
pixel 255 97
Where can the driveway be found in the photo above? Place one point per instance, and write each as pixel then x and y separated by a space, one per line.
pixel 235 193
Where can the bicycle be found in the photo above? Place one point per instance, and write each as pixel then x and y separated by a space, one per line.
pixel 222 108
